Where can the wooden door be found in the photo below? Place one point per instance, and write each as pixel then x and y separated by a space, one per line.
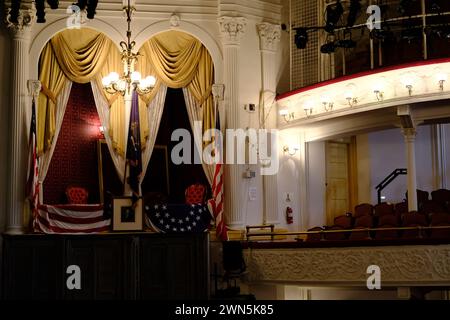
pixel 337 180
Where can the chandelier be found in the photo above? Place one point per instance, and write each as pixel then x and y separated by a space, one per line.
pixel 113 83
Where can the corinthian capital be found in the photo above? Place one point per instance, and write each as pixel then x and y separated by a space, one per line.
pixel 232 29
pixel 25 20
pixel 269 36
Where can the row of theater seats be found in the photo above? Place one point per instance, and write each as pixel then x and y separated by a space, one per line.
pixel 432 212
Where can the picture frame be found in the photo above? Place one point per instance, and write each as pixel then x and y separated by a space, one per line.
pixel 125 217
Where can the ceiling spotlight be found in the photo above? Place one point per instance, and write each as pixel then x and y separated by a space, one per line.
pixel 333 15
pixel 354 11
pixel 328 48
pixel 301 38
pixel 40 11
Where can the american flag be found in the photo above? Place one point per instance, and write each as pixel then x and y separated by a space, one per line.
pixel 216 203
pixel 176 218
pixel 33 168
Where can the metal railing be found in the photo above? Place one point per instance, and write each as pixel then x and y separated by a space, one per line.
pixel 420 230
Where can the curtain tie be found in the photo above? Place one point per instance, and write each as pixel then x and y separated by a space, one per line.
pixel 205 96
pixel 48 93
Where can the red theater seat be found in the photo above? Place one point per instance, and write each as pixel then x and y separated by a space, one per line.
pixel 363 209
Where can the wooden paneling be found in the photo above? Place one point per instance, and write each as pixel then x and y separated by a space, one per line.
pixel 127 266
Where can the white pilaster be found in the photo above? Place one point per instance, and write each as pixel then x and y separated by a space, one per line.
pixel 410 139
pixel 439 156
pixel 269 37
pixel 20 100
pixel 232 30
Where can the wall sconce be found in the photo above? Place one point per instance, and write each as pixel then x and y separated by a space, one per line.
pixel 441 77
pixel 408 82
pixel 378 89
pixel 327 104
pixel 308 106
pixel 350 95
pixel 291 150
pixel 288 116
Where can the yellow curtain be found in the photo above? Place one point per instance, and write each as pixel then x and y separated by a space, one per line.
pixel 52 80
pixel 81 53
pixel 179 60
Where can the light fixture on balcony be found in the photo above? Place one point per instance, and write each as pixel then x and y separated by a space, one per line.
pixel 350 90
pixel 441 77
pixel 308 106
pixel 288 116
pixel 291 150
pixel 378 89
pixel 327 103
pixel 113 83
pixel 408 81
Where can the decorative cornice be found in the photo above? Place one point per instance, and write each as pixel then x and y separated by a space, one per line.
pixel 420 264
pixel 232 29
pixel 269 36
pixel 25 21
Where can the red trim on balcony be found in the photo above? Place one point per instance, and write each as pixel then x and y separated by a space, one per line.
pixel 362 74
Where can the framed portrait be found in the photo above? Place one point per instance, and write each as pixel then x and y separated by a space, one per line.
pixel 127 217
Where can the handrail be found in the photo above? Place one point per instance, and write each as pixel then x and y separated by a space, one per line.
pixel 391 177
pixel 299 233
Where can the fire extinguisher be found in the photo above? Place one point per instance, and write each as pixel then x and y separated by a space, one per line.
pixel 289 216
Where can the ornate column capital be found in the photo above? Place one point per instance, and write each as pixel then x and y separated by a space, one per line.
pixel 269 36
pixel 25 20
pixel 409 134
pixel 232 29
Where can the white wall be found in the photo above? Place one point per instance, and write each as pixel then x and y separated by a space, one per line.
pixel 379 153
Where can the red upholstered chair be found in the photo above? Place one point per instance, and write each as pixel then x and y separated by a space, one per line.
pixel 401 208
pixel 362 222
pixel 363 209
pixel 413 219
pixel 335 235
pixel 387 221
pixel 314 236
pixel 437 220
pixel 77 195
pixel 345 221
pixel 384 208
pixel 432 206
pixel 442 196
pixel 195 194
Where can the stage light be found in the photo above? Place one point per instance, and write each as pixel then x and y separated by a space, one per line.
pixel 301 38
pixel 333 15
pixel 91 7
pixel 14 11
pixel 328 48
pixel 40 11
pixel 354 11
pixel 54 4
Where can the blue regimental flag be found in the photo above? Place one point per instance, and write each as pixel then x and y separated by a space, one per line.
pixel 134 152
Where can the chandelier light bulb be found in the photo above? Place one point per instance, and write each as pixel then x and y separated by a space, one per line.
pixel 135 76
pixel 151 80
pixel 106 81
pixel 113 77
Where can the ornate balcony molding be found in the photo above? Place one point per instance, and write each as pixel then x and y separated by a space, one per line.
pixel 400 265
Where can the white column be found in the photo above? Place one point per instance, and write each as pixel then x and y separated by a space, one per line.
pixel 20 100
pixel 410 138
pixel 232 30
pixel 269 37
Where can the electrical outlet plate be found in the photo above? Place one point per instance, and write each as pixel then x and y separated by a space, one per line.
pixel 250 107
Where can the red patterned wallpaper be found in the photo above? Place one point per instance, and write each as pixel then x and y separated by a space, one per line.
pixel 74 161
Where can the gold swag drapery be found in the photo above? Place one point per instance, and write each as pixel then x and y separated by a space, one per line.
pixel 174 58
pixel 179 60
